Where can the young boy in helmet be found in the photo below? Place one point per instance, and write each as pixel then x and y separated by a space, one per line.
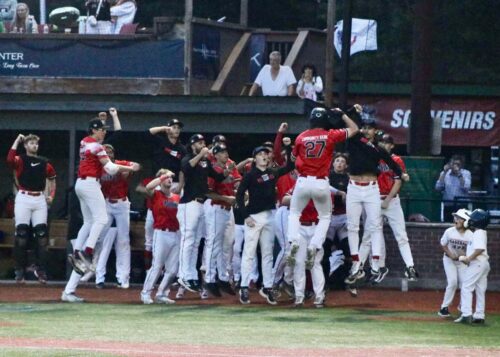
pixel 478 267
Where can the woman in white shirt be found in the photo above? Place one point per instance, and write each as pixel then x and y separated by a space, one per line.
pixel 123 13
pixel 454 243
pixel 310 84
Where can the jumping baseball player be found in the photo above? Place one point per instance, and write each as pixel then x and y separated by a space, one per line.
pixel 36 190
pixel 260 183
pixel 166 238
pixel 196 169
pixel 308 224
pixel 454 243
pixel 313 153
pixel 478 267
pixel 363 194
pixel 217 218
pixel 389 186
pixel 93 159
pixel 115 191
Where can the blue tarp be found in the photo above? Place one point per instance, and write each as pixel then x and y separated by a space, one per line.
pixel 91 58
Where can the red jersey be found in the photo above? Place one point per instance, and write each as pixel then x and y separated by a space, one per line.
pixel 283 186
pixel 116 186
pixel 149 200
pixel 386 176
pixel 314 150
pixel 226 187
pixel 165 211
pixel 90 153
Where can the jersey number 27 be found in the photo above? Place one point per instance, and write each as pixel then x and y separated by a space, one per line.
pixel 314 149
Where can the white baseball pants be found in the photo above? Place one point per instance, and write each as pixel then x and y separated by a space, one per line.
pixel 307 188
pixel 165 255
pixel 227 250
pixel 475 279
pixel 216 221
pixel 148 231
pixel 93 207
pixel 306 233
pixel 30 209
pixel 455 272
pixel 239 239
pixel 190 216
pixel 262 233
pixel 120 212
pixel 367 198
pixel 280 268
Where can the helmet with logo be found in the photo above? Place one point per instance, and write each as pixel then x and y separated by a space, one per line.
pixel 318 118
pixel 479 218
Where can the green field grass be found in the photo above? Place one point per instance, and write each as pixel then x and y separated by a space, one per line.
pixel 240 326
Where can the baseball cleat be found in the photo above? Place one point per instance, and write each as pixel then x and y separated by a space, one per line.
pixel 244 296
pixel 226 287
pixel 188 285
pixel 299 301
pixel 477 321
pixel 291 258
pixel 444 312
pixel 146 299
pixel 41 276
pixel 382 274
pixel 99 285
pixel 351 279
pixel 411 274
pixel 180 292
pixel 78 266
pixel 310 256
pixel 268 294
pixel 464 320
pixel 87 260
pixel 71 298
pixel 163 299
pixel 213 289
pixel 124 285
pixel 319 301
pixel 374 275
pixel 352 291
pixel 203 294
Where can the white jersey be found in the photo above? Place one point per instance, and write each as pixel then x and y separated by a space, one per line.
pixel 455 241
pixel 479 241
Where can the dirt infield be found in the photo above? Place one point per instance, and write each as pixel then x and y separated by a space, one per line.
pixel 369 299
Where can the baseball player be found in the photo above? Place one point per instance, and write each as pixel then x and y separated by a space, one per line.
pixel 115 191
pixel 196 169
pixel 313 153
pixel 389 186
pixel 36 190
pixel 308 224
pixel 217 218
pixel 363 194
pixel 454 243
pixel 478 267
pixel 93 159
pixel 260 183
pixel 166 238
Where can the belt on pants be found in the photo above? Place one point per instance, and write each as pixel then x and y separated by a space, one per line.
pixel 309 224
pixel 357 183
pixel 167 229
pixel 116 200
pixel 316 177
pixel 31 193
pixel 90 178
pixel 227 208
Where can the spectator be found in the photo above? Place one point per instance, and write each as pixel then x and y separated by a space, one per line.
pixel 123 13
pixel 274 79
pixel 454 181
pixel 310 84
pixel 98 17
pixel 23 22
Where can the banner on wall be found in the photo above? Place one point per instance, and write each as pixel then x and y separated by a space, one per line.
pixel 206 52
pixel 464 122
pixel 257 55
pixel 91 58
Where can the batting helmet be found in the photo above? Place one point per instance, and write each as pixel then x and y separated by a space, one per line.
pixel 318 118
pixel 479 219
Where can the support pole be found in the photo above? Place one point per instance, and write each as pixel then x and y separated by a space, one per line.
pixel 330 20
pixel 244 13
pixel 188 45
pixel 346 55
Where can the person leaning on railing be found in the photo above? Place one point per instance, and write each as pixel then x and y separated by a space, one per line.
pixel 453 181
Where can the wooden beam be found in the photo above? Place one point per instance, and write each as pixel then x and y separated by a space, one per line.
pixel 230 63
pixel 298 45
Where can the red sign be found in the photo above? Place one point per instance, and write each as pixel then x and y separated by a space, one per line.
pixel 465 122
